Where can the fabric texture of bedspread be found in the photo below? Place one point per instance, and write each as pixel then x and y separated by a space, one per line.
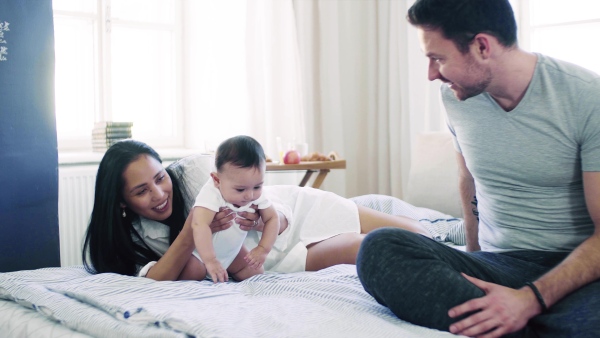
pixel 327 303
pixel 18 321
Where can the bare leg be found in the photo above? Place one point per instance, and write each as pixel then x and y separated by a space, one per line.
pixel 240 270
pixel 194 269
pixel 371 219
pixel 341 249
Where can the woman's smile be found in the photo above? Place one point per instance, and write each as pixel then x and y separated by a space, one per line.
pixel 162 207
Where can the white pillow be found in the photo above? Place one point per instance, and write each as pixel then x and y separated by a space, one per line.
pixel 433 174
pixel 196 170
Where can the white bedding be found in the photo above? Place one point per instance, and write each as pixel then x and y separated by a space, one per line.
pixel 20 321
pixel 327 303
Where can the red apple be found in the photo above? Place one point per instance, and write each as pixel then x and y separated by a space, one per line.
pixel 291 157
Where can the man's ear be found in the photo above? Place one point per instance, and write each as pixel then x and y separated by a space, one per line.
pixel 482 44
pixel 215 178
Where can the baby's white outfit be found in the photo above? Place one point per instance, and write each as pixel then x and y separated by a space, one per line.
pixel 226 243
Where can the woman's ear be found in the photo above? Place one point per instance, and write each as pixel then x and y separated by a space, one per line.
pixel 215 178
pixel 122 205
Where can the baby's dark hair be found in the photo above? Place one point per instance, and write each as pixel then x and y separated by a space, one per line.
pixel 241 151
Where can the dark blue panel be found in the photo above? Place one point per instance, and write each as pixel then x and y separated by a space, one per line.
pixel 28 154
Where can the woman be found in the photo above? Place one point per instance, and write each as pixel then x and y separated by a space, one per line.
pixel 140 225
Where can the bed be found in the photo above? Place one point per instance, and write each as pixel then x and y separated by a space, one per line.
pixel 70 302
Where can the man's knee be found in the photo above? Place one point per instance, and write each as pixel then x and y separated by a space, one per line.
pixel 377 242
pixel 383 247
pixel 390 241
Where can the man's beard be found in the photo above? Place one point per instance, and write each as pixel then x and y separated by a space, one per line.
pixel 463 93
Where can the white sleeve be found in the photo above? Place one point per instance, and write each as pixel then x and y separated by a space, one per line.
pixel 209 197
pixel 144 271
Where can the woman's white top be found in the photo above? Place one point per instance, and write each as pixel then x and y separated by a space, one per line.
pixel 313 215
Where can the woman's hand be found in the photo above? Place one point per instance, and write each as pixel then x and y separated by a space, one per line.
pixel 252 221
pixel 223 220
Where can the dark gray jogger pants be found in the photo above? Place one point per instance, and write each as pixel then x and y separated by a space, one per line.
pixel 419 280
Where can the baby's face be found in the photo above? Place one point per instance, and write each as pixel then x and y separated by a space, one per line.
pixel 240 186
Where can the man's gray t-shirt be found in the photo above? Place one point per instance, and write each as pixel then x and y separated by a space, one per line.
pixel 528 163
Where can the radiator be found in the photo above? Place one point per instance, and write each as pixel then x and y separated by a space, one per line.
pixel 75 201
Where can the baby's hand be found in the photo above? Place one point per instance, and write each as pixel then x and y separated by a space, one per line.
pixel 216 271
pixel 256 257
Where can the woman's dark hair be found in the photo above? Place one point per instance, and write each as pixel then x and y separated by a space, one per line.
pixel 241 151
pixel 461 20
pixel 109 244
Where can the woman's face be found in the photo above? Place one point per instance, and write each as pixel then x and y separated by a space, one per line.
pixel 148 190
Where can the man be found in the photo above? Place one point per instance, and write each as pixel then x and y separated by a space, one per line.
pixel 527 132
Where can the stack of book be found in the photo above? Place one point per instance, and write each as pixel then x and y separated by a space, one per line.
pixel 105 134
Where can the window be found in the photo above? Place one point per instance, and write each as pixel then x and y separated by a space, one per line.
pixel 562 29
pixel 118 60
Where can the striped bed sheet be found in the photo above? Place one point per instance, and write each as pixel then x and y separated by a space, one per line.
pixel 326 303
pixel 21 321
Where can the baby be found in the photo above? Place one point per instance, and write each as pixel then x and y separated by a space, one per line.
pixel 237 184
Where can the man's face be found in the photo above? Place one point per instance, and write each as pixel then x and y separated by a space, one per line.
pixel 463 73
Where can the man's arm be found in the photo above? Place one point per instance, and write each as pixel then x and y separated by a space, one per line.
pixel 466 188
pixel 582 266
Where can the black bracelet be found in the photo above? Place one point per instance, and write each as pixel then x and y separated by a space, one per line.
pixel 538 295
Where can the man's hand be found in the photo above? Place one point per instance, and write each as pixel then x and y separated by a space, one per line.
pixel 501 311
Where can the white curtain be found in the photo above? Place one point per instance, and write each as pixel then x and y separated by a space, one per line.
pixel 365 88
pixel 274 83
pixel 344 76
pixel 215 93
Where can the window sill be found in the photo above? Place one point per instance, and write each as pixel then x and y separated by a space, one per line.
pixel 78 158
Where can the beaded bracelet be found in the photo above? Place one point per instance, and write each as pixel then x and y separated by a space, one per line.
pixel 538 295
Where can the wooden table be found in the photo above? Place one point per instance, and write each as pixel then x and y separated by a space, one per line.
pixel 323 167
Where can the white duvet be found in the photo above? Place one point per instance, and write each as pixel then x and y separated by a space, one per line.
pixel 327 303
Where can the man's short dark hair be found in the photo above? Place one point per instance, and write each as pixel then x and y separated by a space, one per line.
pixel 461 20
